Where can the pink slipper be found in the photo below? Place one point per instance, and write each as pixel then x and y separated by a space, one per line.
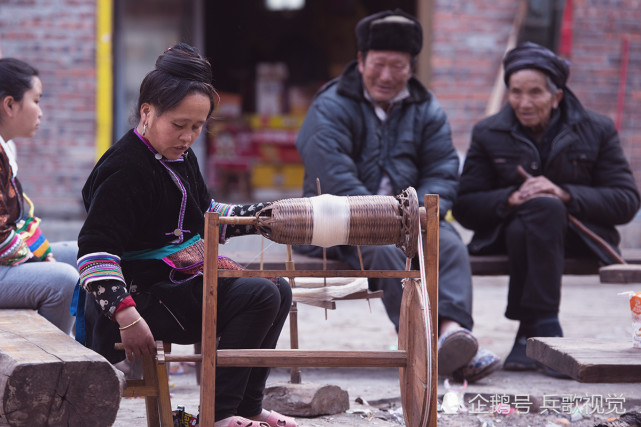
pixel 245 422
pixel 279 420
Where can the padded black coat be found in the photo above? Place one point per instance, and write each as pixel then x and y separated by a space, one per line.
pixel 586 160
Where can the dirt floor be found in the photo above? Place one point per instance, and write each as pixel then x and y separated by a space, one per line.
pixel 386 411
pixel 589 309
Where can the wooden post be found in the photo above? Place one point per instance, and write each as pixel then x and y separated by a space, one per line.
pixel 295 371
pixel 162 379
pixel 210 313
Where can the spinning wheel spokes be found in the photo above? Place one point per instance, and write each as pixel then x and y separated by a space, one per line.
pixel 416 357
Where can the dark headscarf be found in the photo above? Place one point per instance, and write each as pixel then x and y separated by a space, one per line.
pixel 531 55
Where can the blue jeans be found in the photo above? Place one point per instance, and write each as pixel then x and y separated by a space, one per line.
pixel 43 286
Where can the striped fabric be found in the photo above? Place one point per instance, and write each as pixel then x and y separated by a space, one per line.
pixel 28 228
pixel 99 266
pixel 224 210
pixel 13 250
pixel 32 235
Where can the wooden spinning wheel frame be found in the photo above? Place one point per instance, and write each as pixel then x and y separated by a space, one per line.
pixel 417 338
pixel 416 357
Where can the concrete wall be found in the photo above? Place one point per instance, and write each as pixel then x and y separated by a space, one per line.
pixel 58 38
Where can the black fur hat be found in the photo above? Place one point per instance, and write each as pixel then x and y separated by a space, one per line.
pixel 390 30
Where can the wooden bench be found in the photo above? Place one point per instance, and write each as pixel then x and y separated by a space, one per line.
pixel 482 265
pixel 497 265
pixel 47 378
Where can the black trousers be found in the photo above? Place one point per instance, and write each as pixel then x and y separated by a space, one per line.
pixel 251 314
pixel 537 240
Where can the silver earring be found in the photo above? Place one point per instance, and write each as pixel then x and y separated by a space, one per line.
pixel 144 129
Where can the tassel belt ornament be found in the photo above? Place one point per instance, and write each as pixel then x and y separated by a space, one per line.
pixel 187 258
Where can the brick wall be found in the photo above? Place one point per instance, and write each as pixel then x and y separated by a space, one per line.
pixel 470 37
pixel 599 28
pixel 58 38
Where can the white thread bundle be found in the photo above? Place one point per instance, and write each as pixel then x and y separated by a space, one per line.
pixel 330 220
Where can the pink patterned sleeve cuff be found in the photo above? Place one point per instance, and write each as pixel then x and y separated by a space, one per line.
pixel 13 250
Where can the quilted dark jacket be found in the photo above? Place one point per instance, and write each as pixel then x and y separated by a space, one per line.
pixel 586 160
pixel 343 143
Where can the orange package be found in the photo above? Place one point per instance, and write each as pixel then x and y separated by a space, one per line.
pixel 635 307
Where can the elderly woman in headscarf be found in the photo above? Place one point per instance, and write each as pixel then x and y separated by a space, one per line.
pixel 572 163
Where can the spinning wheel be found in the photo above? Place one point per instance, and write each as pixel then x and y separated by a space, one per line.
pixel 416 357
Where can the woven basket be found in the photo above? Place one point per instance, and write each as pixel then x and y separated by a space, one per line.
pixel 373 220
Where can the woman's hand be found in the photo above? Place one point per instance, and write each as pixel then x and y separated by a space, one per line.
pixel 137 338
pixel 538 186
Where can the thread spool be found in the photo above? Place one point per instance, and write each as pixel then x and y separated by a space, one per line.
pixel 344 220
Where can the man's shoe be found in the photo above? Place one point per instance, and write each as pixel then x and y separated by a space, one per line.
pixel 549 327
pixel 456 348
pixel 482 364
pixel 517 360
pixel 546 370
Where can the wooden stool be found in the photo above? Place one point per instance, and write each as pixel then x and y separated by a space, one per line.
pixel 154 387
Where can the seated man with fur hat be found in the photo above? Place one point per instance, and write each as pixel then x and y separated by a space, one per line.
pixel 377 130
pixel 572 163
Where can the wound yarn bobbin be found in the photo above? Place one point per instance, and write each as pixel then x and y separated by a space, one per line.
pixel 344 220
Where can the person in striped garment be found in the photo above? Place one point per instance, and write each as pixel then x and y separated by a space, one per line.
pixel 33 273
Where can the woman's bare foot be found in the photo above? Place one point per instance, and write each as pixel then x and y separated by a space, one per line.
pixel 262 416
pixel 236 421
pixel 273 418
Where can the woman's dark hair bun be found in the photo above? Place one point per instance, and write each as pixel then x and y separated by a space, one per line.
pixel 180 71
pixel 184 61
